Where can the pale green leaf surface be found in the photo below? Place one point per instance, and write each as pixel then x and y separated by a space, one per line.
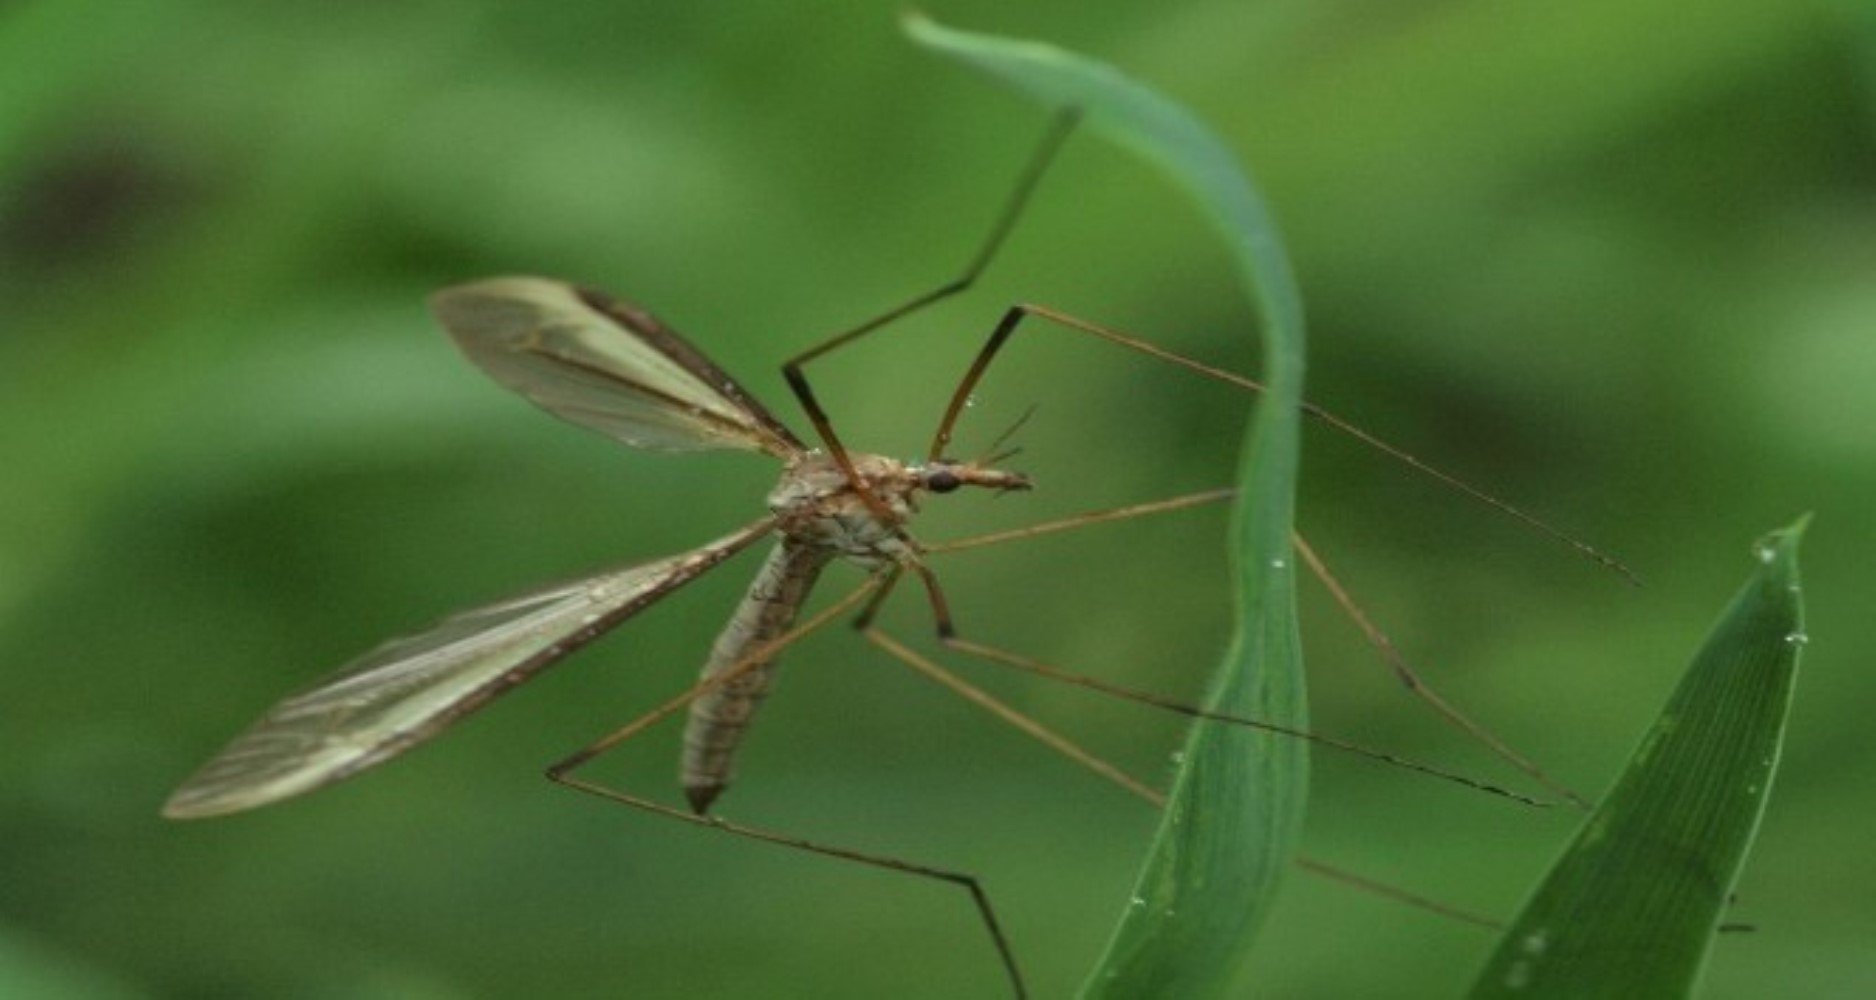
pixel 1631 907
pixel 1236 809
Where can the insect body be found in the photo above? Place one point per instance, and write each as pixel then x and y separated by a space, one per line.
pixel 820 516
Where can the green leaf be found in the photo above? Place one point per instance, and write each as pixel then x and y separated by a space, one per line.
pixel 1631 908
pixel 1236 810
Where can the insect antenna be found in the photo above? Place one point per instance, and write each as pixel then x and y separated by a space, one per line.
pixel 992 455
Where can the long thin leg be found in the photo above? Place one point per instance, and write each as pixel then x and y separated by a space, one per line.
pixel 1059 129
pixel 1037 667
pixel 966 880
pixel 1139 790
pixel 1014 317
pixel 562 773
pixel 990 703
pixel 1390 654
pixel 1396 893
pixel 940 608
pixel 1418 686
pixel 757 656
pixel 871 611
pixel 1082 520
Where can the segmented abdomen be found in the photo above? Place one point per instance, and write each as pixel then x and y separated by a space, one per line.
pixel 718 719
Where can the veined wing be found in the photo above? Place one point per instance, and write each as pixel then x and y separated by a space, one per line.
pixel 410 689
pixel 605 364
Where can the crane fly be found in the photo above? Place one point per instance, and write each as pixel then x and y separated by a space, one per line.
pixel 612 367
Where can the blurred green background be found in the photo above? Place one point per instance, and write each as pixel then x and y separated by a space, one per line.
pixel 1612 260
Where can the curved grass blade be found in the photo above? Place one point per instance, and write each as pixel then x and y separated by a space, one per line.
pixel 1631 907
pixel 1236 810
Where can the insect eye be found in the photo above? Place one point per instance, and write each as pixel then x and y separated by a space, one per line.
pixel 943 481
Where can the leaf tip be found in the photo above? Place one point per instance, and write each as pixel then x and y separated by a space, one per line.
pixel 1781 544
pixel 916 23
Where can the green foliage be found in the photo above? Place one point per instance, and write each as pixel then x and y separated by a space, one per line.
pixel 1631 908
pixel 1235 815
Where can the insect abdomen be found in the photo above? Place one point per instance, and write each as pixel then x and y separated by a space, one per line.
pixel 718 718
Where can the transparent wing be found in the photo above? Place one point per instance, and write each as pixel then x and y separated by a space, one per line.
pixel 410 689
pixel 606 365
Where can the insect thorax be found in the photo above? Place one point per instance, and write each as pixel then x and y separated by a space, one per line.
pixel 818 506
